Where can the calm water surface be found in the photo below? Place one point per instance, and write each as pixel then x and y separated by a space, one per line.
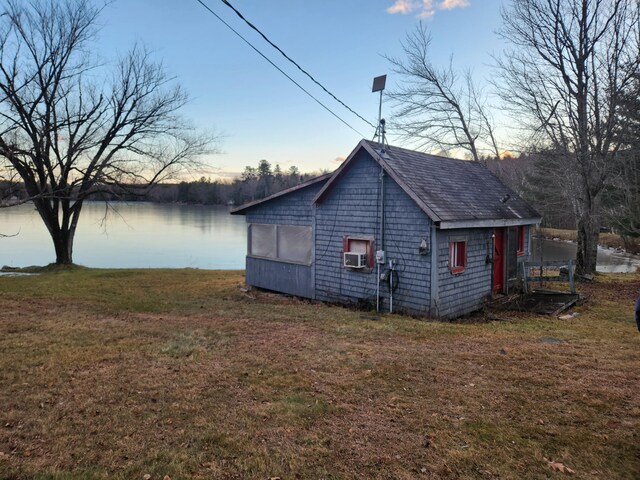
pixel 608 260
pixel 135 235
pixel 142 235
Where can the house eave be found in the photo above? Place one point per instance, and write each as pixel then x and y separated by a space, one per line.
pixel 241 210
pixel 493 223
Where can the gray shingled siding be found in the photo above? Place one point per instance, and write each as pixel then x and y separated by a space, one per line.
pixel 464 292
pixel 278 276
pixel 292 209
pixel 351 208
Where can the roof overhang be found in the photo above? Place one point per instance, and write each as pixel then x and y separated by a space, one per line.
pixel 241 210
pixel 500 222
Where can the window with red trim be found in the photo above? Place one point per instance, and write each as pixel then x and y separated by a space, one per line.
pixel 520 240
pixel 360 245
pixel 457 256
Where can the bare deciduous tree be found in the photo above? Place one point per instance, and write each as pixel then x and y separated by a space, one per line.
pixel 69 128
pixel 622 199
pixel 437 108
pixel 563 81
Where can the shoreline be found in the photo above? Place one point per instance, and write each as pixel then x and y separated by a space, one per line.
pixel 611 249
pixel 606 241
pixel 610 259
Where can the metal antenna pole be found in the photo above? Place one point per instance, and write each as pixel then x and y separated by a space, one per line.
pixel 380 133
pixel 378 86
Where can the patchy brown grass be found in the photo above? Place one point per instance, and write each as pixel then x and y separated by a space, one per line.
pixel 116 374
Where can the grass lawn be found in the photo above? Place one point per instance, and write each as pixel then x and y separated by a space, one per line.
pixel 121 373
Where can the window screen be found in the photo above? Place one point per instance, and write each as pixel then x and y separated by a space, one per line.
pixel 294 243
pixel 288 243
pixel 262 241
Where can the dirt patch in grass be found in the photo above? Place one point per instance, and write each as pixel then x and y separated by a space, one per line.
pixel 116 374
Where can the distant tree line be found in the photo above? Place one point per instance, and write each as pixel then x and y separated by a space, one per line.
pixel 254 183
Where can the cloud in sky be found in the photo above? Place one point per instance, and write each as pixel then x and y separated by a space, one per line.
pixel 402 6
pixel 425 8
pixel 451 4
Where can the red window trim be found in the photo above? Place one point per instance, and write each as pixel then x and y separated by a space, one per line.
pixel 461 247
pixel 370 247
pixel 520 239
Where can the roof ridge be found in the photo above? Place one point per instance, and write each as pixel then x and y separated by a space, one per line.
pixel 472 162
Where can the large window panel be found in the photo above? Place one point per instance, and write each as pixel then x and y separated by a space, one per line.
pixel 294 244
pixel 287 243
pixel 262 241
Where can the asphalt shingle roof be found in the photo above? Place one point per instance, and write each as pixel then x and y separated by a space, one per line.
pixel 453 190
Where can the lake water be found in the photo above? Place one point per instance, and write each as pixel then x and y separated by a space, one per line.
pixel 151 235
pixel 135 235
pixel 608 260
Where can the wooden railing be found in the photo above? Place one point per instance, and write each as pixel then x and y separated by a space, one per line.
pixel 541 278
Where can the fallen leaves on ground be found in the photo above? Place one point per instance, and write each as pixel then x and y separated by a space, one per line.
pixel 559 467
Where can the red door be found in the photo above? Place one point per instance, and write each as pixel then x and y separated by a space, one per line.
pixel 498 260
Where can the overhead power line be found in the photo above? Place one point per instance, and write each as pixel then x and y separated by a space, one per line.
pixel 296 64
pixel 278 68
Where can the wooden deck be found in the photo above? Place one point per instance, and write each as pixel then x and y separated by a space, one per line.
pixel 544 302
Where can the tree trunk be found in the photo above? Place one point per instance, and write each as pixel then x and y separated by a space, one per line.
pixel 588 232
pixel 63 244
pixel 62 232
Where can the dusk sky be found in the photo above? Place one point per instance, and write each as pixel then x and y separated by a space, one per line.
pixel 340 42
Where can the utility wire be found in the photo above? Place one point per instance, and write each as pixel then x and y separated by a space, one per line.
pixel 277 67
pixel 296 64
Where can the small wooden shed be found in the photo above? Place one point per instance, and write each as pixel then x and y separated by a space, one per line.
pixel 394 228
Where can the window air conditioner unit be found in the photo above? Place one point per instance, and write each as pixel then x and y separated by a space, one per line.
pixel 355 260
